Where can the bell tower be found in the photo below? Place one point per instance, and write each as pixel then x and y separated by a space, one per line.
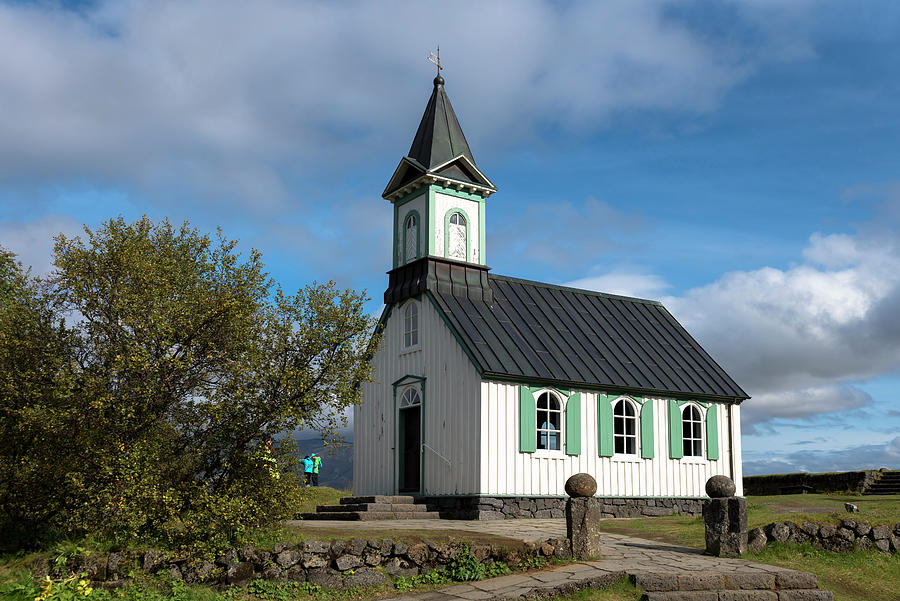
pixel 438 192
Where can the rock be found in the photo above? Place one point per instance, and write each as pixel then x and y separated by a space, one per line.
pixel 546 549
pixel 837 544
pixel 583 524
pixel 846 534
pixel 400 548
pixel 154 559
pixel 295 574
pixel 851 508
pixel 316 546
pixel 372 558
pixel 862 529
pixel 719 487
pixel 826 531
pixel 118 564
pixel 364 577
pixel 239 573
pixel 398 567
pixel 230 557
pixel 355 546
pixel 386 546
pixel 883 545
pixel 287 558
pixel 174 572
pixel 347 562
pixel 895 543
pixel 325 577
pixel 756 540
pixel 881 532
pixel 581 485
pixel 205 571
pixel 314 560
pixel 275 573
pixel 417 553
pixel 253 555
pixel 279 547
pixel 863 543
pixel 812 530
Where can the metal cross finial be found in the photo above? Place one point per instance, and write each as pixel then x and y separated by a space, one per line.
pixel 436 59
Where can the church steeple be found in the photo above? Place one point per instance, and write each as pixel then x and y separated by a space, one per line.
pixel 438 192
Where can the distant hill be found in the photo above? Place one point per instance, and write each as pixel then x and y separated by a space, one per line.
pixel 337 463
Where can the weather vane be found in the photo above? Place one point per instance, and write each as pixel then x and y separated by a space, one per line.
pixel 436 59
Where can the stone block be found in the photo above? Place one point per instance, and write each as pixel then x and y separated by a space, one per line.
pixel 295 574
pixel 400 548
pixel 827 531
pixel 418 553
pixel 355 546
pixel 274 573
pixel 756 540
pixel 805 595
pixel 154 560
pixel 652 581
pixel 881 532
pixel 794 579
pixel 316 546
pixel 777 531
pixel 749 581
pixel 862 529
pixel 239 572
pixel 347 562
pixel 700 582
pixel 883 545
pixel 864 543
pixel 288 557
pixel 747 596
pixel 314 560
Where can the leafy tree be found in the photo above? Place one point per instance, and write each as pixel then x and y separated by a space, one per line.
pixel 180 362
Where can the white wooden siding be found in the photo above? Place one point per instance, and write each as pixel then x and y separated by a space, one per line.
pixel 506 471
pixel 449 411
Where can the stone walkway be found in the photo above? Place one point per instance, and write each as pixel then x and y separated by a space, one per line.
pixel 652 565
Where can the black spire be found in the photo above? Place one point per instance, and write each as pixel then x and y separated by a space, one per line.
pixel 439 137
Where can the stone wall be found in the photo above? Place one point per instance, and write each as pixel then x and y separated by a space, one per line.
pixel 500 508
pixel 330 564
pixel 821 483
pixel 848 536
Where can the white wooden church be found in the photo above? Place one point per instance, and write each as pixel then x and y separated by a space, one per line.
pixel 489 388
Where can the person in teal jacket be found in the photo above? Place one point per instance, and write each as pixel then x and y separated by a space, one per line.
pixel 317 463
pixel 308 465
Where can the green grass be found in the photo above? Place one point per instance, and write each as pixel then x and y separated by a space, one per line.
pixel 320 495
pixel 622 590
pixel 858 576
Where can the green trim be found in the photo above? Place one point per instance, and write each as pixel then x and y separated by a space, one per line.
pixel 604 425
pixel 453 331
pixel 447 216
pixel 457 193
pixel 527 421
pixel 406 217
pixel 482 237
pixel 647 442
pixel 396 238
pixel 431 217
pixel 411 196
pixel 701 403
pixel 712 433
pixel 561 391
pixel 676 449
pixel 573 424
pixel 399 459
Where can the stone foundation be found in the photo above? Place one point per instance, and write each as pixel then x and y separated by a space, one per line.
pixel 501 508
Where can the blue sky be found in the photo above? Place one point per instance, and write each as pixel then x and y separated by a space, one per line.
pixel 736 160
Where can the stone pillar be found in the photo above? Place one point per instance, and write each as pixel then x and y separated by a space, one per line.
pixel 583 516
pixel 726 518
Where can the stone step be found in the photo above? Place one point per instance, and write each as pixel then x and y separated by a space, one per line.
pixel 365 516
pixel 716 581
pixel 384 499
pixel 372 507
pixel 740 595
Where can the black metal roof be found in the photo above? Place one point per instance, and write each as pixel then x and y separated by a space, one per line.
pixel 439 137
pixel 549 334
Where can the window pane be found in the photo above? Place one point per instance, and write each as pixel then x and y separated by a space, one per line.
pixel 554 442
pixel 407 340
pixel 629 442
pixel 696 430
pixel 414 337
pixel 620 445
pixel 554 420
pixel 688 449
pixel 542 401
pixel 619 425
pixel 629 426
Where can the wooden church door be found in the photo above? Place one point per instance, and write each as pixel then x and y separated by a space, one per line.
pixel 410 441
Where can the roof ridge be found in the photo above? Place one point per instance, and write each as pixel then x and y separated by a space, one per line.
pixel 633 299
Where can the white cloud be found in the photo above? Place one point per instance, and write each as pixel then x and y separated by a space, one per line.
pixel 626 284
pixel 237 98
pixel 33 241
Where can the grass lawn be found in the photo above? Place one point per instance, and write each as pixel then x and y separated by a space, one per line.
pixel 860 576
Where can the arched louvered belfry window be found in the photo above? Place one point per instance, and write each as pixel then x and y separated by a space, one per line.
pixel 457 236
pixel 411 238
pixel 691 431
pixel 624 428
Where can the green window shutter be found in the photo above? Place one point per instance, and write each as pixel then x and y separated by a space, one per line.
pixel 675 449
pixel 573 424
pixel 604 426
pixel 527 421
pixel 647 451
pixel 712 432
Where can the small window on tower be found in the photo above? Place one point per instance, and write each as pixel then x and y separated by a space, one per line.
pixel 457 237
pixel 411 325
pixel 411 236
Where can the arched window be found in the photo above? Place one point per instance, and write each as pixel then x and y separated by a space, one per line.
pixel 410 398
pixel 549 422
pixel 457 238
pixel 624 428
pixel 411 236
pixel 691 431
pixel 411 325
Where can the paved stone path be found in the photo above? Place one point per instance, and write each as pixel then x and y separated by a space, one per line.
pixel 651 564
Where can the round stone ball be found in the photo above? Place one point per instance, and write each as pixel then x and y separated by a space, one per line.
pixel 581 485
pixel 720 486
